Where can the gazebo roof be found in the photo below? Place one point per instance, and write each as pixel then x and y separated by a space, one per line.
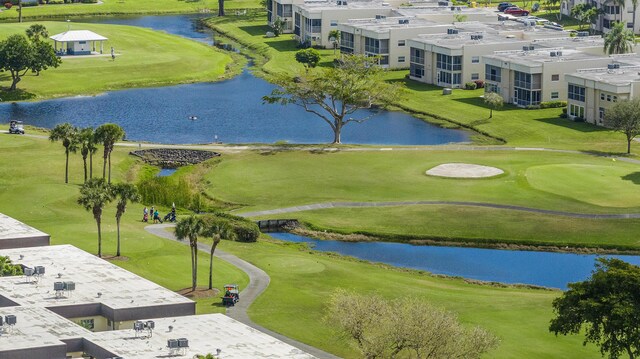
pixel 78 35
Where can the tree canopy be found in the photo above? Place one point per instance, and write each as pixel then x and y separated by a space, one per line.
pixel 94 195
pixel 624 116
pixel 308 57
pixel 108 134
pixel 619 40
pixel 606 308
pixel 68 135
pixel 494 101
pixel 335 94
pixel 18 56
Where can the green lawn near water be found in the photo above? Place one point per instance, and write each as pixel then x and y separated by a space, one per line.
pixel 144 58
pixel 122 7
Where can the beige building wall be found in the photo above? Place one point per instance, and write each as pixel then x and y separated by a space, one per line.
pixel 100 323
pixel 599 96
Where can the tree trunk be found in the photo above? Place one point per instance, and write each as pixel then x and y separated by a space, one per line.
pixel 491 113
pixel 629 146
pixel 118 231
pixel 104 166
pixel 213 249
pixel 14 83
pixel 336 134
pixel 109 168
pixel 220 7
pixel 84 162
pixel 66 167
pixel 630 352
pixel 194 267
pixel 90 165
pixel 19 10
pixel 99 238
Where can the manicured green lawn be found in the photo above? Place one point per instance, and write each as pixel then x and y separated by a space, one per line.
pixel 518 127
pixel 120 7
pixel 32 190
pixel 145 58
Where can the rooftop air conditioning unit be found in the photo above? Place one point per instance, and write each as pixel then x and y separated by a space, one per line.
pixel 452 31
pixel 582 33
pixel 403 21
pixel 378 17
pixel 558 53
pixel 553 54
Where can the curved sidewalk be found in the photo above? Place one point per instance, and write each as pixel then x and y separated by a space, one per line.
pixel 258 282
pixel 315 206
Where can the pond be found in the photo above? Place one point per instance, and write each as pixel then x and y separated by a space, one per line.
pixel 229 111
pixel 165 172
pixel 548 269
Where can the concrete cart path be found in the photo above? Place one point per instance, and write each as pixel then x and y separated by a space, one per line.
pixel 316 206
pixel 258 282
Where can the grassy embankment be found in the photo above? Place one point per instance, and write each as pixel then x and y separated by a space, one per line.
pixel 32 190
pixel 144 58
pixel 124 7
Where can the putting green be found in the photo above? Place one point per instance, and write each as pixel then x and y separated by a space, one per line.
pixel 613 185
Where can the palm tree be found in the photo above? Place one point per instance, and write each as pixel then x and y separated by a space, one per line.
pixel 621 4
pixel 334 36
pixel 37 31
pixel 217 229
pixel 94 195
pixel 69 136
pixel 123 192
pixel 619 40
pixel 87 141
pixel 191 227
pixel 220 7
pixel 634 3
pixel 108 133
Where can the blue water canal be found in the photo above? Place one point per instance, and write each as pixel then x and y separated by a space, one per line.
pixel 229 111
pixel 548 269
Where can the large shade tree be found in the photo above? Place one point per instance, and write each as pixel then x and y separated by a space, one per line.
pixel 68 135
pixel 335 94
pixel 108 134
pixel 619 40
pixel 217 229
pixel 624 116
pixel 123 194
pixel 191 227
pixel 94 195
pixel 605 308
pixel 18 56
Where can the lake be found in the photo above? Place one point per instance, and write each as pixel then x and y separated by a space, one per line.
pixel 548 269
pixel 229 111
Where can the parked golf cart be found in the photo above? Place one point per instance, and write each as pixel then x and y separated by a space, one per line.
pixel 231 295
pixel 16 127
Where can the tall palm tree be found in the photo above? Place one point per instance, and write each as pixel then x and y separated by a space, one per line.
pixel 619 40
pixel 108 134
pixel 191 227
pixel 217 229
pixel 634 3
pixel 87 142
pixel 94 195
pixel 123 193
pixel 68 135
pixel 220 7
pixel 334 36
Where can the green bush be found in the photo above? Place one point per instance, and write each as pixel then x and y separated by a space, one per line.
pixel 564 113
pixel 246 232
pixel 532 107
pixel 9 269
pixel 470 86
pixel 553 104
pixel 166 191
pixel 89 1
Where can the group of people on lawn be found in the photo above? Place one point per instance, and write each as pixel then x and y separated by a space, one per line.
pixel 155 215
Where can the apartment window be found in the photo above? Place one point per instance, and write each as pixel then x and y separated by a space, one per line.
pixel 555 77
pixel 554 95
pixel 297 22
pixel 287 10
pixel 416 70
pixel 600 114
pixel 608 98
pixel 334 22
pixel 475 76
pixel 576 111
pixel 492 73
pixel 401 42
pixel 313 26
pixel 417 55
pixel 611 9
pixel 346 42
pixel 576 93
pixel 450 63
pixel 269 10
pixel 615 98
pixel 602 96
pixel 375 46
pixel 629 25
pixel 475 59
pixel 384 60
pixel 526 97
pixel 400 58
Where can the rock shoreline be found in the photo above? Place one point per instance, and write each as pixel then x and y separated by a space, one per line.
pixel 173 157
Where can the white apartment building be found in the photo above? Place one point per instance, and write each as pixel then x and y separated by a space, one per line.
pixel 612 13
pixel 449 14
pixel 592 91
pixel 282 9
pixel 528 78
pixel 385 37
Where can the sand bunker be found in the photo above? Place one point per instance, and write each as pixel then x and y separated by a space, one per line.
pixel 463 170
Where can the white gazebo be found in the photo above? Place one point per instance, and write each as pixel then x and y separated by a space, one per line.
pixel 77 42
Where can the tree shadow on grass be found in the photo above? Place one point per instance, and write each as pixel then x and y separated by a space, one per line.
pixel 15 95
pixel 566 123
pixel 633 177
pixel 605 154
pixel 283 45
pixel 255 30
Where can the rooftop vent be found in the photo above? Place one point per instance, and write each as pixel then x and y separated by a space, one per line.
pixel 172 343
pixel 477 37
pixel 452 31
pixel 10 319
pixel 378 17
pixel 403 21
pixel 443 3
pixel 555 53
pixel 178 346
pixel 582 33
pixel 527 48
pixel 613 66
pixel 342 2
pixel 183 343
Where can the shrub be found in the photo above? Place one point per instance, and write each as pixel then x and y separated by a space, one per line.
pixel 8 5
pixel 9 269
pixel 470 86
pixel 532 107
pixel 553 104
pixel 55 2
pixel 89 1
pixel 246 231
pixel 479 84
pixel 28 4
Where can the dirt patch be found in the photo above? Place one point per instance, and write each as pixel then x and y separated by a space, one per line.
pixel 198 293
pixel 463 170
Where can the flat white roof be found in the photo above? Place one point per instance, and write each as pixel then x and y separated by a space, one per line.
pixel 537 57
pixel 205 334
pixel 385 24
pixel 119 288
pixel 77 35
pixel 13 229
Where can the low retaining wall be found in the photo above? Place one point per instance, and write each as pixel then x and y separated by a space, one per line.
pixel 174 157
